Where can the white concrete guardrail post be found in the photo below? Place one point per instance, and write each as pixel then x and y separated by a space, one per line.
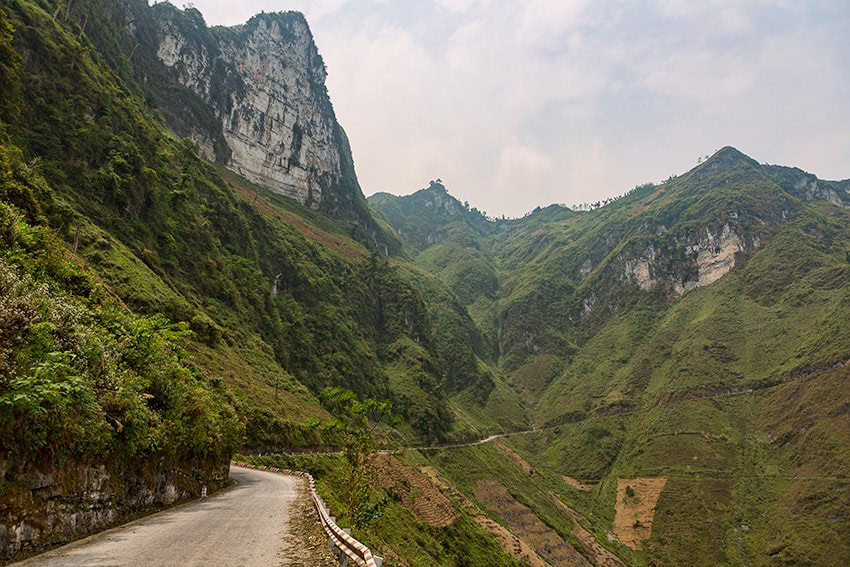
pixel 339 538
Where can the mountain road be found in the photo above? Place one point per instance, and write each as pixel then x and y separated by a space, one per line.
pixel 246 525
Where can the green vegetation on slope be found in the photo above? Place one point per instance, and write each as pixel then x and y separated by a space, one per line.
pixel 637 353
pixel 619 327
pixel 82 379
pixel 398 532
pixel 272 310
pixel 752 479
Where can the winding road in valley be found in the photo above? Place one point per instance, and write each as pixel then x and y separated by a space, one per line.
pixel 246 525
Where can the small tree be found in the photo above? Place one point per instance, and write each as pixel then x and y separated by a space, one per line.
pixel 355 428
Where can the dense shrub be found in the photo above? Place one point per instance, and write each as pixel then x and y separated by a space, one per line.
pixel 79 376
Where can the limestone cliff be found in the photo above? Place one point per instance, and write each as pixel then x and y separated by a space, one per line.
pixel 264 84
pixel 705 255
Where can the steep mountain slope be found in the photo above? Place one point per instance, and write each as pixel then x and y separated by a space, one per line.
pixel 672 333
pixel 260 277
pixel 547 284
pixel 282 300
pixel 682 351
pixel 452 247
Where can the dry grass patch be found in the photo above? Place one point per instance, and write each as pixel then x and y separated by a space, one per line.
pixel 346 247
pixel 524 523
pixel 635 509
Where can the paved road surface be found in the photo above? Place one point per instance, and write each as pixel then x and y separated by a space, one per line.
pixel 244 526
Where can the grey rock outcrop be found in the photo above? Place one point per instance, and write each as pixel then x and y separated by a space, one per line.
pixel 265 82
pixel 708 254
pixel 253 98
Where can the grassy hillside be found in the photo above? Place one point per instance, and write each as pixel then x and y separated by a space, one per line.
pixel 629 303
pixel 84 379
pixel 688 341
pixel 752 479
pixel 682 351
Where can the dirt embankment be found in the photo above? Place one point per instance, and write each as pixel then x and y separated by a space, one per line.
pixel 511 543
pixel 601 556
pixel 578 485
pixel 635 509
pixel 524 523
pixel 418 493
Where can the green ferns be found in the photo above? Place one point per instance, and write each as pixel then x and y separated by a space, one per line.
pixel 80 377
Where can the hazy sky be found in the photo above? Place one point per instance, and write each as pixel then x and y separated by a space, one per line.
pixel 518 103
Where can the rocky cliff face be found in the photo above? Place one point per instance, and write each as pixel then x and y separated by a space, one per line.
pixel 253 98
pixel 705 255
pixel 265 82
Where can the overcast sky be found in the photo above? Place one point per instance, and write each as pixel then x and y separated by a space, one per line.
pixel 519 103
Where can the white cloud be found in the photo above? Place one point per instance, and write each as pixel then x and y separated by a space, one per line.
pixel 544 17
pixel 456 5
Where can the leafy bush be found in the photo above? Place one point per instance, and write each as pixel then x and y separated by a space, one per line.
pixel 79 376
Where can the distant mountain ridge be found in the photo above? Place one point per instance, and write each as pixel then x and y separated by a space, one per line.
pixel 693 333
pixel 563 273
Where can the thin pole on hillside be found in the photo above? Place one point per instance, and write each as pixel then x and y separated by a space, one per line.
pixel 85 23
pixel 77 238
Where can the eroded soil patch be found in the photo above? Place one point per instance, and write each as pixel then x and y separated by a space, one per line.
pixel 524 523
pixel 418 493
pixel 515 457
pixel 577 484
pixel 635 509
pixel 511 543
pixel 601 556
